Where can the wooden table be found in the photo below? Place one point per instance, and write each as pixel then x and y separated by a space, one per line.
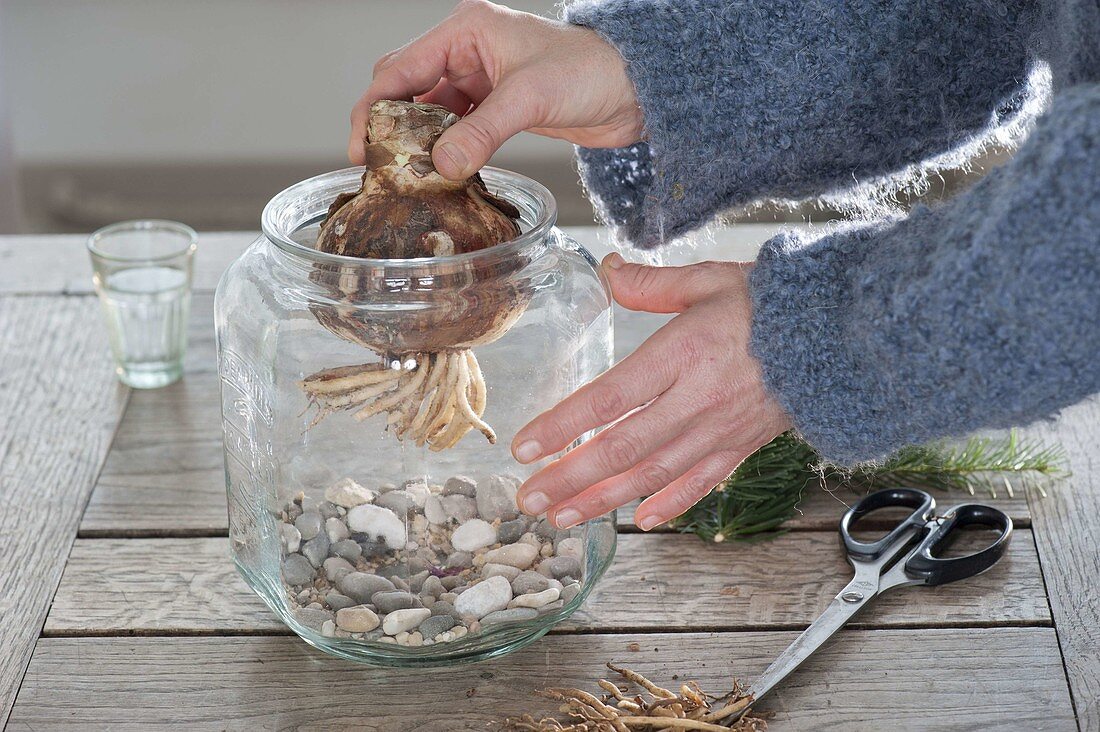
pixel 120 609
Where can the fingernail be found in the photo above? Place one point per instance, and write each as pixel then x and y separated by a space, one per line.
pixel 567 517
pixel 536 503
pixel 615 260
pixel 528 451
pixel 454 154
pixel 648 523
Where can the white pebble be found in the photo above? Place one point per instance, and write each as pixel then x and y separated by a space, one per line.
pixel 378 522
pixel 348 493
pixel 357 619
pixel 292 538
pixel 500 570
pixel 336 529
pixel 483 598
pixel 401 620
pixel 458 631
pixel 474 534
pixel 536 599
pixel 514 555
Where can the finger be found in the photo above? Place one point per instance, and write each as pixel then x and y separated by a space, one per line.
pixel 447 96
pixel 667 289
pixel 687 490
pixel 608 454
pixel 650 475
pixel 636 380
pixel 467 145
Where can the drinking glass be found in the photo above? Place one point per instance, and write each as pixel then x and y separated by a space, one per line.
pixel 142 273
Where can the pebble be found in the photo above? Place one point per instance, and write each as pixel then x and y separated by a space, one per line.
pixel 308 525
pixel 570 592
pixel 558 567
pixel 529 582
pixel 312 617
pixel 297 570
pixel 388 602
pixel 370 547
pixel 448 597
pixel 361 586
pixel 316 549
pixel 460 485
pixel 336 529
pixel 376 521
pixel 337 567
pixel 452 581
pixel 399 501
pixel 483 598
pixel 338 602
pixel 509 532
pixel 328 629
pixel 535 599
pixel 433 510
pixel 349 494
pixel 506 571
pixel 415 639
pixel 292 538
pixel 459 560
pixel 496 499
pixel 442 607
pixel 459 508
pixel 346 549
pixel 531 539
pixel 474 534
pixel 435 625
pixel 328 510
pixel 417 491
pixel 545 530
pixel 551 607
pixel 510 616
pixel 416 582
pixel 569 547
pixel 432 586
pixel 357 619
pixel 403 620
pixel 303 596
pixel 514 555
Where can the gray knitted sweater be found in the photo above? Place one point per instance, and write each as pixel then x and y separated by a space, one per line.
pixel 983 311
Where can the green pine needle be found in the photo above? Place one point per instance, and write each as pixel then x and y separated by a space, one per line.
pixel 765 490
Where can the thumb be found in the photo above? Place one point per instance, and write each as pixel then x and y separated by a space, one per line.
pixel 467 145
pixel 665 289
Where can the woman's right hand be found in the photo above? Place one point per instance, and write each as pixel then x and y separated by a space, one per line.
pixel 507 71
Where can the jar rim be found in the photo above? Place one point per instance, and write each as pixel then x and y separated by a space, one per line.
pixel 498 180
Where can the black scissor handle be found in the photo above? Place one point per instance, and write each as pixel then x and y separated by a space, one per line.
pixel 936 571
pixel 922 504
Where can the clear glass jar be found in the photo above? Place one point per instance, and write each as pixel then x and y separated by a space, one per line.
pixel 348 532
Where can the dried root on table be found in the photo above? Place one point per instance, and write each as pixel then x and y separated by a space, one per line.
pixel 428 381
pixel 640 704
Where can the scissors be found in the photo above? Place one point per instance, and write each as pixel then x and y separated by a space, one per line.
pixel 905 556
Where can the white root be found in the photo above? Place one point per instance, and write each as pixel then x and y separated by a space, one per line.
pixel 434 404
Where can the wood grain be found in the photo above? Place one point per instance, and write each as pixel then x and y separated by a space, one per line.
pixel 59 407
pixel 1067 525
pixel 864 680
pixel 658 581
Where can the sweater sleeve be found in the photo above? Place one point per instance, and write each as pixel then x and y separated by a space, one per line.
pixel 764 99
pixel 981 312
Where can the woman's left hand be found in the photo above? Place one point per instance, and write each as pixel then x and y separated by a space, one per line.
pixel 704 405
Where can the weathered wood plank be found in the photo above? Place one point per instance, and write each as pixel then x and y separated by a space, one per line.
pixel 59 407
pixel 864 680
pixel 1067 532
pixel 123 586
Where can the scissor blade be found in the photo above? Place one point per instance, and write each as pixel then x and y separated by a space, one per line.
pixel 829 622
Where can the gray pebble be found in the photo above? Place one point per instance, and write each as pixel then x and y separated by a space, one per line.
pixel 399 501
pixel 460 485
pixel 328 509
pixel 293 511
pixel 390 571
pixel 570 592
pixel 370 546
pixel 442 607
pixel 336 601
pixel 558 567
pixel 336 529
pixel 433 510
pixel 361 586
pixel 417 565
pixel 313 617
pixel 530 581
pixel 292 539
pixel 551 607
pixel 510 615
pixel 496 499
pixel 461 560
pixel 400 583
pixel 451 582
pixel 308 525
pixel 374 634
pixel 337 567
pixel 297 570
pixel 448 597
pixel 435 625
pixel 416 582
pixel 346 549
pixel 432 586
pixel 387 602
pixel 510 531
pixel 545 530
pixel 303 596
pixel 316 549
pixel 459 508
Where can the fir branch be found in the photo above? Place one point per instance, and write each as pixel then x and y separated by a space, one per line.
pixel 765 490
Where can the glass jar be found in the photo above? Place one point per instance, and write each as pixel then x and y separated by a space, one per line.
pixel 368 536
